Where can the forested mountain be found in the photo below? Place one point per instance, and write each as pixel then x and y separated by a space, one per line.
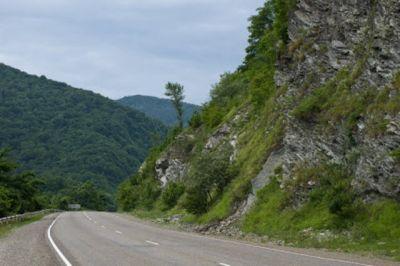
pixel 59 131
pixel 301 144
pixel 158 108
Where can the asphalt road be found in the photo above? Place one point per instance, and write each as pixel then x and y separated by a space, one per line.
pixel 96 238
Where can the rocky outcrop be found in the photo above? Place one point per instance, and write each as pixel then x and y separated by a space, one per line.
pixel 324 38
pixel 342 33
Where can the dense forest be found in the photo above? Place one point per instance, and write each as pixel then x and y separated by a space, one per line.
pixel 74 139
pixel 158 108
pixel 19 192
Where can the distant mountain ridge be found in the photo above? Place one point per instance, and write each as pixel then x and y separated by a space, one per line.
pixel 57 130
pixel 158 108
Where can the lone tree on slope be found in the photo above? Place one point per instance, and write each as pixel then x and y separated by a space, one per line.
pixel 175 92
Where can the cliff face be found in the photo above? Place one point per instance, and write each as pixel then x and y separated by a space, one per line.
pixel 364 38
pixel 351 49
pixel 309 128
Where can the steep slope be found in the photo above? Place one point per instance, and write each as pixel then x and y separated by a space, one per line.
pixel 158 108
pixel 302 142
pixel 56 130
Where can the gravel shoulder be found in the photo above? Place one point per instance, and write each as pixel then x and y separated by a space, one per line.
pixel 28 245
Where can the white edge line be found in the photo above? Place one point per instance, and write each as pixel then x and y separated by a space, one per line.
pixel 59 253
pixel 224 264
pixel 270 249
pixel 285 251
pixel 151 242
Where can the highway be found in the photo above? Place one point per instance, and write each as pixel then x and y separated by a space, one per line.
pixel 100 238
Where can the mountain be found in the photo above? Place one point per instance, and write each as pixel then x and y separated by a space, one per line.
pixel 161 109
pixel 301 144
pixel 60 131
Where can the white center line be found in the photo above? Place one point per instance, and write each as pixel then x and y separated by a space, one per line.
pixel 224 264
pixel 277 250
pixel 58 251
pixel 118 232
pixel 153 243
pixel 87 216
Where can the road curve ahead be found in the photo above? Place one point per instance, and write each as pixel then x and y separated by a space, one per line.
pixel 96 238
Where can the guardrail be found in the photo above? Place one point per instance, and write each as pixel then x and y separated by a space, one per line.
pixel 21 217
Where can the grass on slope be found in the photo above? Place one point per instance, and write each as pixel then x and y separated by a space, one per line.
pixel 332 218
pixel 6 229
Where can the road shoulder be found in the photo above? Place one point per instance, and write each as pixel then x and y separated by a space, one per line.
pixel 28 245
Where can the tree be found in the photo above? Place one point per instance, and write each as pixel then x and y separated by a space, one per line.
pixel 175 92
pixel 259 25
pixel 18 191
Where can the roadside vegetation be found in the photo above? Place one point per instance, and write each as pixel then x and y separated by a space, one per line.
pixel 6 229
pixel 318 206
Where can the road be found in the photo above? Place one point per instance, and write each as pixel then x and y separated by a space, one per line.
pixel 100 238
pixel 94 238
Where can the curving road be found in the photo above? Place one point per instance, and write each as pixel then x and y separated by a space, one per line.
pixel 93 238
pixel 98 238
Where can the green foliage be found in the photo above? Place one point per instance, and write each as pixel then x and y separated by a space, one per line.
pixel 175 92
pixel 196 200
pixel 76 135
pixel 396 154
pixel 196 121
pixel 331 205
pixel 142 190
pixel 259 25
pixel 18 191
pixel 160 109
pixel 5 229
pixel 208 176
pixel 172 193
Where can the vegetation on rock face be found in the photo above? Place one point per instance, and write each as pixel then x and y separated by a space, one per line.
pixel 332 216
pixel 315 203
pixel 213 184
pixel 70 136
pixel 160 109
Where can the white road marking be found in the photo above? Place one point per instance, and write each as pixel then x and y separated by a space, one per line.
pixel 59 253
pixel 153 243
pixel 118 232
pixel 281 250
pixel 87 216
pixel 224 264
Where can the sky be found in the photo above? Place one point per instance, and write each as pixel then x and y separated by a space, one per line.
pixel 127 47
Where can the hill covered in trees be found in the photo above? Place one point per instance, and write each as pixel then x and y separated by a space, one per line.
pixel 158 108
pixel 70 136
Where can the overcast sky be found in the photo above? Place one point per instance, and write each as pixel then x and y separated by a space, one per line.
pixel 126 47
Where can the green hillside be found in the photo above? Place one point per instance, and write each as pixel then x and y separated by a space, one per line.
pixel 158 108
pixel 300 145
pixel 59 131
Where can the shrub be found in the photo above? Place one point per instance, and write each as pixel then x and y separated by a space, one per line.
pixel 172 193
pixel 208 176
pixel 396 154
pixel 195 121
pixel 196 200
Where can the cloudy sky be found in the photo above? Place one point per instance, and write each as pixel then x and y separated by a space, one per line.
pixel 126 47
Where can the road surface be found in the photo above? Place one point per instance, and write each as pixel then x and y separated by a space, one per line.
pixel 99 238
